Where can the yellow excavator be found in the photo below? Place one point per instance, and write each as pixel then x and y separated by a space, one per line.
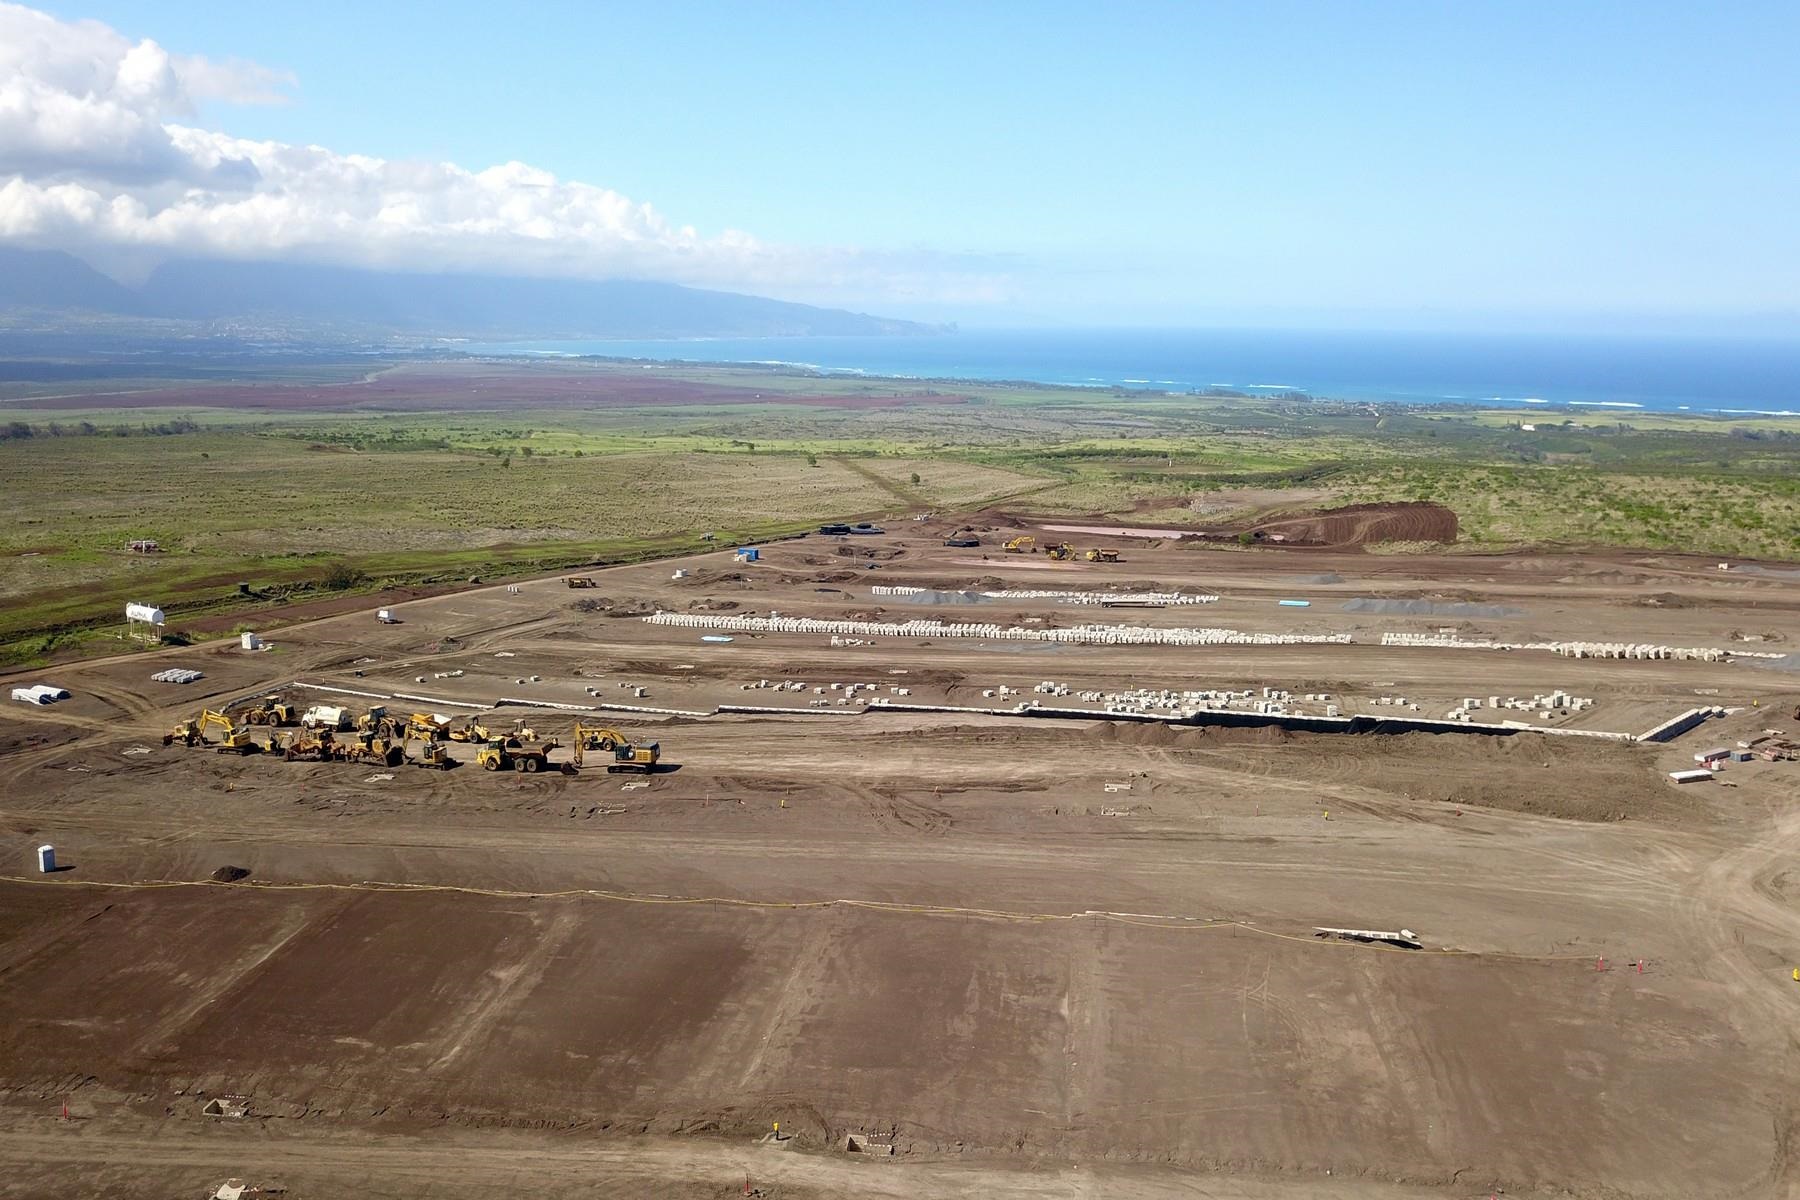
pixel 1061 552
pixel 625 756
pixel 237 739
pixel 1102 556
pixel 1023 544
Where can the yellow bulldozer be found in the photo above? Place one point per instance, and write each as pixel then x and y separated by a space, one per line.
pixel 1023 544
pixel 625 756
pixel 370 747
pixel 310 745
pixel 1103 556
pixel 435 755
pixel 1061 552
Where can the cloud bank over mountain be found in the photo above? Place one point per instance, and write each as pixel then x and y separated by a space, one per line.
pixel 100 155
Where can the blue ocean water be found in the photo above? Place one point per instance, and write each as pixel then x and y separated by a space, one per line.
pixel 1716 375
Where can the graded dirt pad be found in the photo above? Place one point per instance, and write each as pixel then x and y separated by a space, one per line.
pixel 1049 957
pixel 1085 1038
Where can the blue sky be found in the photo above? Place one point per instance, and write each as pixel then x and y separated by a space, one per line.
pixel 1517 165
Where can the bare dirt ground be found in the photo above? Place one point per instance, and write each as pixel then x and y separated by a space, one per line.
pixel 1044 957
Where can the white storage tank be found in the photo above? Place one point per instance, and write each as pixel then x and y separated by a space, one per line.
pixel 145 613
pixel 46 858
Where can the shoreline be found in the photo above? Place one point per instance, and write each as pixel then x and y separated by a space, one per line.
pixel 870 361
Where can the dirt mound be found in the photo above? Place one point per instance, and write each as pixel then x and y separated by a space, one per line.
pixel 1361 524
pixel 703 578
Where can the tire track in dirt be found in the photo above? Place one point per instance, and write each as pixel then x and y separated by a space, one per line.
pixel 503 986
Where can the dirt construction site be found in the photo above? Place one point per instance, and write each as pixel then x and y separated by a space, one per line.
pixel 979 873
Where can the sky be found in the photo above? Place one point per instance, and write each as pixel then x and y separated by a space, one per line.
pixel 1333 164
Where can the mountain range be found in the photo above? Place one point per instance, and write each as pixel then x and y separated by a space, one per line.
pixel 447 305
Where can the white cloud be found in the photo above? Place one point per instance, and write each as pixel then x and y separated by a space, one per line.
pixel 96 154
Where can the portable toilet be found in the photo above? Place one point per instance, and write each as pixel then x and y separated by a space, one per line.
pixel 46 858
pixel 250 641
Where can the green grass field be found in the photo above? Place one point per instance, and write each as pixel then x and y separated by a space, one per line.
pixel 277 499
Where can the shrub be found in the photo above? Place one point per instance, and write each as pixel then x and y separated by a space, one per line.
pixel 340 575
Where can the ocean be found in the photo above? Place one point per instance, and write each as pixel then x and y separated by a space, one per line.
pixel 1738 376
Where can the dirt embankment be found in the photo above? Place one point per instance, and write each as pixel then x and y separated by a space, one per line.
pixel 1362 524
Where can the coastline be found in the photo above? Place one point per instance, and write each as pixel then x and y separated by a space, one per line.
pixel 1591 376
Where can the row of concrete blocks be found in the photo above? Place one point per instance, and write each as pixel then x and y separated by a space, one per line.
pixel 1061 595
pixel 1566 649
pixel 1085 635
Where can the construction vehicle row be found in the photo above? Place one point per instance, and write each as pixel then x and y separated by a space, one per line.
pixel 377 738
pixel 1025 543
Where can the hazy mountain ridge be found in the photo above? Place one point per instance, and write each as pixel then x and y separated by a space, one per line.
pixel 450 304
